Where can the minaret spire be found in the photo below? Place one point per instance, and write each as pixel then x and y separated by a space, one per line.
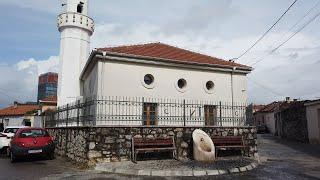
pixel 75 27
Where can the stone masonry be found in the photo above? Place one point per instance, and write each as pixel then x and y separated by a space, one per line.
pixel 110 144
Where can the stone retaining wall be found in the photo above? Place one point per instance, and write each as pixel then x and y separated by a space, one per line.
pixel 104 144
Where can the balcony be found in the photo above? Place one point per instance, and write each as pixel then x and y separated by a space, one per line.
pixel 75 20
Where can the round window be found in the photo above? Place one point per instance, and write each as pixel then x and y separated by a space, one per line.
pixel 182 83
pixel 148 79
pixel 209 85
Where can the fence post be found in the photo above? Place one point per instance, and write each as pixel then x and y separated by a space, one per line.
pixel 58 118
pixel 78 112
pixel 184 112
pixel 43 124
pixel 67 115
pixel 220 106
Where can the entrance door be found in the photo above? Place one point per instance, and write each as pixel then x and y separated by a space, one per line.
pixel 210 115
pixel 150 114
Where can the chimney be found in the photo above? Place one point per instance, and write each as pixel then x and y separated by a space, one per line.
pixel 15 104
pixel 288 99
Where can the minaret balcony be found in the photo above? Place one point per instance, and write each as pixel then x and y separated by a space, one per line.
pixel 73 19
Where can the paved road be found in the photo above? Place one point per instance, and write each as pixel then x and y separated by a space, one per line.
pixel 32 168
pixel 281 160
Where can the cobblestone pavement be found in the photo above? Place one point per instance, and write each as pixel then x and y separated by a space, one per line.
pixel 281 160
pixel 170 164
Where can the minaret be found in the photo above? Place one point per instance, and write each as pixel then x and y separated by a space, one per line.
pixel 76 28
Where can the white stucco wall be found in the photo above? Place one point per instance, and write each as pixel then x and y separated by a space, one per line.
pixel 16 120
pixel 270 122
pixel 123 79
pixel 73 40
pixel 90 84
pixel 313 120
pixel 119 79
pixel 76 29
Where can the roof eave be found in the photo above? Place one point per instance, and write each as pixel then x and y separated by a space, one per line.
pixel 174 61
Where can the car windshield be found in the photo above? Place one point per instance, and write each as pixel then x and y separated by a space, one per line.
pixel 33 133
pixel 11 130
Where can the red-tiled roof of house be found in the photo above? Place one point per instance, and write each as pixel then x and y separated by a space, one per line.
pixel 18 110
pixel 170 53
pixel 49 99
pixel 258 107
pixel 271 107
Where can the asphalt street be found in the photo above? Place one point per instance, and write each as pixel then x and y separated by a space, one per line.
pixel 281 159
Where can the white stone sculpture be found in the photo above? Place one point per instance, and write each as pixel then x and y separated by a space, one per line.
pixel 203 147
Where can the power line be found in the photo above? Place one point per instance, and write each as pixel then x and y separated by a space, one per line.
pixel 292 27
pixel 256 42
pixel 290 37
pixel 302 18
pixel 265 87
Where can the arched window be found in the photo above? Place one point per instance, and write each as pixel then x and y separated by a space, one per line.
pixel 80 7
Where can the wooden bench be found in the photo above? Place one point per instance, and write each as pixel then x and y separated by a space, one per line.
pixel 152 145
pixel 230 142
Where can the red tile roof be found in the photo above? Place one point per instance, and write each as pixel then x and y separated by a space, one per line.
pixel 18 110
pixel 170 53
pixel 271 107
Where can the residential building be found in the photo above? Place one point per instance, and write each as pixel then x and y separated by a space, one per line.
pixel 19 114
pixel 250 111
pixel 47 85
pixel 265 116
pixel 291 121
pixel 313 118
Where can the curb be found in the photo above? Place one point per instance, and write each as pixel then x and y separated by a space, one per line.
pixel 175 173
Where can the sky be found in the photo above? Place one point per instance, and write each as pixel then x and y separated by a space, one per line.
pixel 29 39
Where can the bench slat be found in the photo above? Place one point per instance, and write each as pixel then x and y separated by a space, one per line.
pixel 151 149
pixel 155 144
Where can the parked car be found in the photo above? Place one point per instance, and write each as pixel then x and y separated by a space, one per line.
pixel 262 129
pixel 6 135
pixel 31 141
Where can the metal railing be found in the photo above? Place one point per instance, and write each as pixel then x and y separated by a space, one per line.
pixel 141 111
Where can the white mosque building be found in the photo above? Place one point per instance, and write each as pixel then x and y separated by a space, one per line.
pixel 153 70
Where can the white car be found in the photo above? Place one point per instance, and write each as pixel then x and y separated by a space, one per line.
pixel 6 135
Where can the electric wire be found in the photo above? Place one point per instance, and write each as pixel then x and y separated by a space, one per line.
pixel 290 37
pixel 257 41
pixel 265 87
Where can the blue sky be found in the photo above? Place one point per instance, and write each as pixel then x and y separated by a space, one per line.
pixel 29 39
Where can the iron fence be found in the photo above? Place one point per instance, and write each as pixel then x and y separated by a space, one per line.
pixel 141 111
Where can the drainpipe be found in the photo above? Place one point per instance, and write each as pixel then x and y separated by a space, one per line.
pixel 232 95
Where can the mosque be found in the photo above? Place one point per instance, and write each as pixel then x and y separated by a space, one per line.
pixel 153 70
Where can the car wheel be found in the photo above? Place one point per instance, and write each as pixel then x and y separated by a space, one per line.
pixel 13 158
pixel 8 152
pixel 51 155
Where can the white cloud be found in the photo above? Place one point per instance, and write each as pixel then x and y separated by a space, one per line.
pixel 20 81
pixel 39 5
pixel 290 71
pixel 219 28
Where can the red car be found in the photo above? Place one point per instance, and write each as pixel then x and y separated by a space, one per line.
pixel 31 141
